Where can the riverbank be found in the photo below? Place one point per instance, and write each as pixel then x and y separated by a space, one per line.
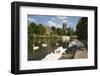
pixel 80 54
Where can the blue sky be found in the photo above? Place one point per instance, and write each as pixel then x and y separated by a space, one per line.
pixel 56 21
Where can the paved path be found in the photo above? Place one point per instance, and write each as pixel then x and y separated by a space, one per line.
pixel 81 54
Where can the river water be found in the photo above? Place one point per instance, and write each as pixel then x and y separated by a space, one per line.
pixel 52 44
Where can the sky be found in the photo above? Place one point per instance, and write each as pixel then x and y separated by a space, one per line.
pixel 56 21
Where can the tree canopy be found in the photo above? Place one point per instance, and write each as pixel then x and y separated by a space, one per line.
pixel 37 29
pixel 82 28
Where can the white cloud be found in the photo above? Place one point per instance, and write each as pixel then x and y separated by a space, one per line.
pixel 30 20
pixel 59 25
pixel 51 23
pixel 64 21
pixel 61 17
pixel 52 18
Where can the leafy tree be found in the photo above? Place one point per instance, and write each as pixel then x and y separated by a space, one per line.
pixel 70 31
pixel 41 29
pixel 54 30
pixel 32 28
pixel 60 31
pixel 36 29
pixel 82 28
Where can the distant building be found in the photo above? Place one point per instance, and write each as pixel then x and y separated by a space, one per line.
pixel 48 30
pixel 65 27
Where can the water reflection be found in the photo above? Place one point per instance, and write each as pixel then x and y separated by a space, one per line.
pixel 47 45
pixel 51 42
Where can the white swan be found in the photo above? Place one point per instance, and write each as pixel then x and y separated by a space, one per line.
pixel 44 45
pixel 35 47
pixel 56 55
pixel 56 44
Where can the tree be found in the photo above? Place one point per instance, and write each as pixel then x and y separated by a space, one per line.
pixel 70 31
pixel 82 28
pixel 60 31
pixel 32 28
pixel 37 29
pixel 41 29
pixel 53 30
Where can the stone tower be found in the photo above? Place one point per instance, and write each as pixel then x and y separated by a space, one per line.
pixel 64 26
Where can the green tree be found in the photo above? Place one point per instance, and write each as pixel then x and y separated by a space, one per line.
pixel 70 31
pixel 32 28
pixel 54 30
pixel 41 29
pixel 36 29
pixel 82 28
pixel 60 31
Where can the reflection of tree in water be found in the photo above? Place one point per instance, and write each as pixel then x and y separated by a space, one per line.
pixel 51 42
pixel 42 51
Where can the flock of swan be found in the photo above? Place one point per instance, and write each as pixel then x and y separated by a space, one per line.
pixel 37 47
pixel 56 55
pixel 59 51
pixel 43 45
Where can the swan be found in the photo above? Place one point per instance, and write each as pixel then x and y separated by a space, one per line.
pixel 56 44
pixel 35 47
pixel 56 55
pixel 44 45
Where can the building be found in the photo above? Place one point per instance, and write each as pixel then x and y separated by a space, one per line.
pixel 48 30
pixel 65 27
